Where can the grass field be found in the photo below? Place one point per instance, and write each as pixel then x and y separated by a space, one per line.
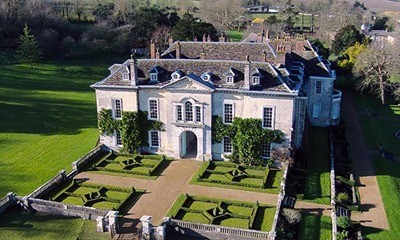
pixel 17 225
pixel 315 227
pixel 233 213
pixel 317 186
pixel 388 175
pixel 49 120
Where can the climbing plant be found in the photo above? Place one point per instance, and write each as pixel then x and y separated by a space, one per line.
pixel 134 128
pixel 247 137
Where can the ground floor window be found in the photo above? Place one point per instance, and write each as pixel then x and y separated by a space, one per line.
pixel 118 138
pixel 227 145
pixel 154 139
pixel 266 150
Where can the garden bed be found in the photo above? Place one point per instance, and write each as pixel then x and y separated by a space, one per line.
pixel 132 165
pixel 232 175
pixel 95 195
pixel 222 212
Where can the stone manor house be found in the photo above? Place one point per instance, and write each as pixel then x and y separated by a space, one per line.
pixel 281 81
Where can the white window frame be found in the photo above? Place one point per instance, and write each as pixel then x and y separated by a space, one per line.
pixel 151 140
pixel 255 80
pixel 205 77
pixel 149 108
pixel 316 110
pixel 223 113
pixel 198 115
pixel 125 76
pixel 177 112
pixel 192 112
pixel 272 117
pixel 318 87
pixel 115 110
pixel 118 143
pixel 175 76
pixel 223 145
pixel 268 145
pixel 230 79
pixel 154 77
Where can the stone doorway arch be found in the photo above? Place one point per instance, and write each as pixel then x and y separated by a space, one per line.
pixel 188 144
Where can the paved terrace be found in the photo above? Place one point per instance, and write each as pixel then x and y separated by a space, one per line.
pixel 162 193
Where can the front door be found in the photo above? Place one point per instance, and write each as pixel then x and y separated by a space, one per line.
pixel 188 144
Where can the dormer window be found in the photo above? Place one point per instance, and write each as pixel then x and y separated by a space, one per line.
pixel 153 77
pixel 125 76
pixel 206 77
pixel 255 80
pixel 229 79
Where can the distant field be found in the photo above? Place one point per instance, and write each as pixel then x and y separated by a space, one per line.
pixel 381 5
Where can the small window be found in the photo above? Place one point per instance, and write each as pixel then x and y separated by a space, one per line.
pixel 154 139
pixel 227 145
pixel 175 76
pixel 118 138
pixel 316 110
pixel 154 77
pixel 229 79
pixel 228 113
pixel 188 112
pixel 179 113
pixel 198 114
pixel 268 117
pixel 125 76
pixel 205 77
pixel 255 80
pixel 266 150
pixel 318 86
pixel 117 104
pixel 153 109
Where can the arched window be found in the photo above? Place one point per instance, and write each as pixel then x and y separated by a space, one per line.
pixel 188 112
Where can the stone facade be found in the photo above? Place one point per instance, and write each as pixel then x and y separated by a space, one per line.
pixel 193 81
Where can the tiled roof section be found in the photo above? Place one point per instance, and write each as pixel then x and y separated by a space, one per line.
pixel 234 51
pixel 270 80
pixel 313 64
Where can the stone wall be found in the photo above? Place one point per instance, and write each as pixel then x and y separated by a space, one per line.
pixel 333 187
pixel 90 156
pixel 7 202
pixel 49 185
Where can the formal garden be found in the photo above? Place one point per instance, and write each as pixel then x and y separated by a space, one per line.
pixel 80 193
pixel 148 166
pixel 315 227
pixel 244 177
pixel 228 213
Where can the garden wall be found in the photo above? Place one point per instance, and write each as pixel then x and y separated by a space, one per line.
pixel 49 185
pixel 6 202
pixel 213 231
pixel 333 187
pixel 279 204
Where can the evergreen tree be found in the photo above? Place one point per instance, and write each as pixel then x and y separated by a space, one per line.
pixel 28 51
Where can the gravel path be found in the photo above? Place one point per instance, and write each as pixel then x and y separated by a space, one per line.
pixel 161 193
pixel 373 212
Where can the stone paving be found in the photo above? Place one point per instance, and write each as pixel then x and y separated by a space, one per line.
pixel 161 193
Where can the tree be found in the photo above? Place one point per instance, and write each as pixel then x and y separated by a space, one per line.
pixel 346 37
pixel 189 27
pixel 374 67
pixel 221 13
pixel 289 15
pixel 349 57
pixel 380 23
pixel 28 51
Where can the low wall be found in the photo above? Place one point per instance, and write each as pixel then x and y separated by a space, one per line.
pixel 6 202
pixel 60 209
pixel 49 185
pixel 80 163
pixel 333 187
pixel 216 232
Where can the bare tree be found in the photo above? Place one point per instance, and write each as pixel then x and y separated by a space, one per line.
pixel 221 13
pixel 375 66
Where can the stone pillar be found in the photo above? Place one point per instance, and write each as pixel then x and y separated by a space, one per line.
pixel 112 217
pixel 100 226
pixel 147 226
pixel 160 232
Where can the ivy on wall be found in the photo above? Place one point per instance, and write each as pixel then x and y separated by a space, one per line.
pixel 134 128
pixel 247 136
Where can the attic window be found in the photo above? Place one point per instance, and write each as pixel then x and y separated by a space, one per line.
pixel 125 76
pixel 176 75
pixel 153 77
pixel 206 76
pixel 229 79
pixel 255 80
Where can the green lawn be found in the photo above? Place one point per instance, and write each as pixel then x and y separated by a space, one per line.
pixel 17 225
pixel 49 120
pixel 315 227
pixel 317 186
pixel 388 175
pixel 236 36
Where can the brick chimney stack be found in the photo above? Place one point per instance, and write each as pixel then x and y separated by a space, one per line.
pixel 262 35
pixel 204 38
pixel 246 84
pixel 178 50
pixel 195 39
pixel 267 36
pixel 208 38
pixel 202 55
pixel 222 38
pixel 133 69
pixel 157 54
pixel 152 50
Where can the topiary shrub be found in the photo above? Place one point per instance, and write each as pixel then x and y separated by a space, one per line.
pixel 342 235
pixel 292 216
pixel 343 222
pixel 343 197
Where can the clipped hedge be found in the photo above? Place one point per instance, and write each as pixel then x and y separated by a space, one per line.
pixel 232 183
pixel 253 215
pixel 179 203
pixel 265 179
pixel 110 188
pixel 346 181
